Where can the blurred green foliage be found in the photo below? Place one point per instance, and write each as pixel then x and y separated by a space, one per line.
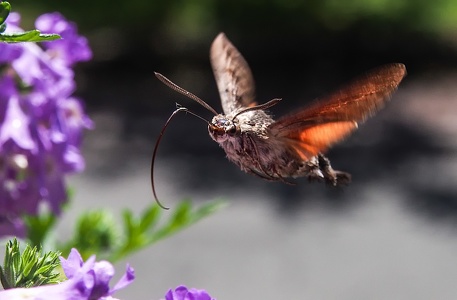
pixel 99 232
pixel 193 17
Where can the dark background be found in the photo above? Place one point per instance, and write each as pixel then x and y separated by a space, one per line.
pixel 390 234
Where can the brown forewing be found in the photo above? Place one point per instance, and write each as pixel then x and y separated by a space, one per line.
pixel 313 129
pixel 233 76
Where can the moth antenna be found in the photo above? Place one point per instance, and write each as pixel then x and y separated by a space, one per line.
pixel 179 108
pixel 264 106
pixel 182 91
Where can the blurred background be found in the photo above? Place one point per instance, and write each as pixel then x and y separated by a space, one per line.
pixel 391 234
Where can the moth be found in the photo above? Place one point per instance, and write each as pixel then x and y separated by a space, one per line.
pixel 293 145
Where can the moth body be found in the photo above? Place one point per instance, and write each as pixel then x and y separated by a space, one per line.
pixel 250 144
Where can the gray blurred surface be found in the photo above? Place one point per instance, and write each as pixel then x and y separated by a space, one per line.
pixel 389 235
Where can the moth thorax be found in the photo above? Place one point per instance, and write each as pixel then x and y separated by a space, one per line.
pixel 222 128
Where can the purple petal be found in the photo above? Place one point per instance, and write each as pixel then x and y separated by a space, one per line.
pixel 16 126
pixel 11 227
pixel 73 160
pixel 14 19
pixel 46 74
pixel 73 119
pixel 72 47
pixel 54 192
pixel 125 280
pixel 195 294
pixel 183 293
pixel 9 52
pixel 178 293
pixel 103 271
pixel 72 264
pixel 170 295
pixel 28 65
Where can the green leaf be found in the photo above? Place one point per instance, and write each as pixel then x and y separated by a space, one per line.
pixel 5 9
pixel 129 227
pixel 142 231
pixel 184 217
pixel 150 217
pixel 28 36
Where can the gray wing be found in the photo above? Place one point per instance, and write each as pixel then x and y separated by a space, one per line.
pixel 233 75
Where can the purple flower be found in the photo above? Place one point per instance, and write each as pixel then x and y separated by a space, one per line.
pixel 71 48
pixel 183 293
pixel 101 272
pixel 86 281
pixel 41 124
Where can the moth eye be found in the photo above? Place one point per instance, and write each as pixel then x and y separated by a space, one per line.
pixel 232 130
pixel 221 123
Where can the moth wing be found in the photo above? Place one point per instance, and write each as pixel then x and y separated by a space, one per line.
pixel 233 76
pixel 315 128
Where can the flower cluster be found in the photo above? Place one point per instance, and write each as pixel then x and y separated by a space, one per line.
pixel 41 123
pixel 86 281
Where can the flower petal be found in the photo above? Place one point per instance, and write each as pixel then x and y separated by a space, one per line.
pixel 103 272
pixel 125 280
pixel 15 127
pixel 72 264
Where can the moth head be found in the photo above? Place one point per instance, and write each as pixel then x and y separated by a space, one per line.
pixel 222 128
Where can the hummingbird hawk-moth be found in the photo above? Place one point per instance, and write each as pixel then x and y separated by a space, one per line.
pixel 293 145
